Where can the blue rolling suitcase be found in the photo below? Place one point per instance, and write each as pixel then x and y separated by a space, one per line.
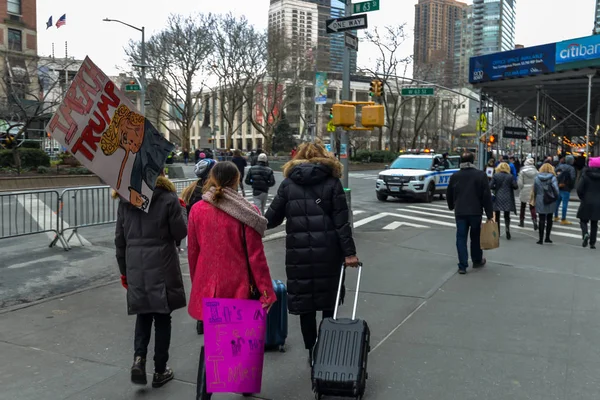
pixel 340 354
pixel 277 320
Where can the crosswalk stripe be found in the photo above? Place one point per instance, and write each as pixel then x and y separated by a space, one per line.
pixel 419 219
pixel 396 224
pixel 356 212
pixel 372 218
pixel 527 221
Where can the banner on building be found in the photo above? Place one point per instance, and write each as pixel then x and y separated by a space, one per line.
pixel 529 61
pixel 578 53
pixel 234 345
pixel 321 88
pixel 104 131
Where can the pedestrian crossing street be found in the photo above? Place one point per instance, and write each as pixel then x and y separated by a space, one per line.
pixel 436 215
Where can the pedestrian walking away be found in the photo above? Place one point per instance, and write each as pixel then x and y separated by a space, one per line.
pixel 225 250
pixel 149 264
pixel 260 177
pixel 503 185
pixel 319 237
pixel 545 192
pixel 186 156
pixel 525 182
pixel 469 196
pixel 240 163
pixel 588 191
pixel 566 176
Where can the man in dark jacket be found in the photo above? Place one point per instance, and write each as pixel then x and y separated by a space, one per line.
pixel 149 264
pixel 261 178
pixel 588 191
pixel 319 236
pixel 468 195
pixel 240 163
pixel 566 176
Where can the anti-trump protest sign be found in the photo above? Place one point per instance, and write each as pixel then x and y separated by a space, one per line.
pixel 234 345
pixel 100 126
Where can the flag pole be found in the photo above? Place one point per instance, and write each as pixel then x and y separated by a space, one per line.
pixel 52 50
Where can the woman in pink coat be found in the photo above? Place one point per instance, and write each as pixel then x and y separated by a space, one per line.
pixel 225 249
pixel 219 260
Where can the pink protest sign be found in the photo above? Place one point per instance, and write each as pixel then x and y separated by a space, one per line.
pixel 234 343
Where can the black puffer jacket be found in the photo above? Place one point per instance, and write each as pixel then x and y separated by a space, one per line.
pixel 261 178
pixel 319 236
pixel 146 251
pixel 588 191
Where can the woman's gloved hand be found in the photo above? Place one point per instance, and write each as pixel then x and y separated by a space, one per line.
pixel 124 281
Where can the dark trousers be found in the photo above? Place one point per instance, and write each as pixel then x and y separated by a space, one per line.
pixel 506 219
pixel 584 230
pixel 162 338
pixel 464 224
pixel 531 211
pixel 545 225
pixel 308 325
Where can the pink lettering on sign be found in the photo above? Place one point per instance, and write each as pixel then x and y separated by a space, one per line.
pixel 234 343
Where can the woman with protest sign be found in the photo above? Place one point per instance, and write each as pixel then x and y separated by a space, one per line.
pixel 149 264
pixel 225 249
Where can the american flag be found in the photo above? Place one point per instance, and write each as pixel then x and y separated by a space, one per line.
pixel 61 21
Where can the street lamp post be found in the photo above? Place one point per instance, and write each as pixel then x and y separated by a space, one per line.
pixel 142 65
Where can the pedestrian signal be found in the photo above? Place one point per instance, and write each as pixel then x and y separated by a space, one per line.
pixel 493 139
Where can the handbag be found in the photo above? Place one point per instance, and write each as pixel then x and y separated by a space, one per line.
pixel 254 294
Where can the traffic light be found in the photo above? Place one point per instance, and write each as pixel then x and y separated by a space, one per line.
pixel 373 116
pixel 380 89
pixel 343 115
pixel 373 88
pixel 493 139
pixel 376 88
pixel 331 113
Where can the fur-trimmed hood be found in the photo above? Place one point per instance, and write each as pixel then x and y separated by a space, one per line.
pixel 161 182
pixel 332 164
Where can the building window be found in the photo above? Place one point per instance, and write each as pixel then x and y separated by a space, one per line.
pixel 14 7
pixel 15 42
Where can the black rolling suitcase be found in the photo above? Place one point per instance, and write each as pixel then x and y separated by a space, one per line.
pixel 340 355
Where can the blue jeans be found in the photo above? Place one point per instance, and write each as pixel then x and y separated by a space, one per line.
pixel 464 223
pixel 563 196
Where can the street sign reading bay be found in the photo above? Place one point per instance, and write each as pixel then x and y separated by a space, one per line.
pixel 366 6
pixel 418 91
pixel 346 23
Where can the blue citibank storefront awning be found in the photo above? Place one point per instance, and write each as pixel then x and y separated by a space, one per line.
pixel 548 88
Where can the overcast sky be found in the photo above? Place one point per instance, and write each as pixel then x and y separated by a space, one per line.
pixel 538 22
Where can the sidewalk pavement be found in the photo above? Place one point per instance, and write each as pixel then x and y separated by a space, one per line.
pixel 524 327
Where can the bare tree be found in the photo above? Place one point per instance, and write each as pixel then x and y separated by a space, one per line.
pixel 280 85
pixel 177 57
pixel 237 60
pixel 34 88
pixel 389 68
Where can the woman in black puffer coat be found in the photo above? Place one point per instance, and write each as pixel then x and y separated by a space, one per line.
pixel 503 185
pixel 319 236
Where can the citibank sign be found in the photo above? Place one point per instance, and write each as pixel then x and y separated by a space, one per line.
pixel 582 49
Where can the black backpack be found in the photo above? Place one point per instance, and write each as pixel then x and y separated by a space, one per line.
pixel 564 179
pixel 549 193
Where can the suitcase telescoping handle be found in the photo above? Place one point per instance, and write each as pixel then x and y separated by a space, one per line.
pixel 339 292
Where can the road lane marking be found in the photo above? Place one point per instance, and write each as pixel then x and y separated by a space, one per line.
pixel 372 218
pixel 397 224
pixel 356 212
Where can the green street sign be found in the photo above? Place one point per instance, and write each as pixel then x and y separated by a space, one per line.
pixel 418 91
pixel 366 6
pixel 132 88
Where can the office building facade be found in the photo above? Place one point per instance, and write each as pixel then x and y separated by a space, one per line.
pixel 304 24
pixel 435 24
pixel 463 47
pixel 493 26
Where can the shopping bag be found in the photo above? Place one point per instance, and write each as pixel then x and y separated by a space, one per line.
pixel 490 237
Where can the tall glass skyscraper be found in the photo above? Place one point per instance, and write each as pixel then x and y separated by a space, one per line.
pixel 493 26
pixel 597 19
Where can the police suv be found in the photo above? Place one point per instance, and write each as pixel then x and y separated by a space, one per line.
pixel 420 176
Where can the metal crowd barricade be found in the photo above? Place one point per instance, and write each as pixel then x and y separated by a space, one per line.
pixel 40 211
pixel 86 206
pixel 31 212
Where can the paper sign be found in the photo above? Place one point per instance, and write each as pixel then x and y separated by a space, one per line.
pixel 234 345
pixel 100 126
pixel 489 171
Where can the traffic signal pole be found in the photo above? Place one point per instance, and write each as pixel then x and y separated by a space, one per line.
pixel 345 96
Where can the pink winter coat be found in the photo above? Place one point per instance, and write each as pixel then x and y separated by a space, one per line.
pixel 217 260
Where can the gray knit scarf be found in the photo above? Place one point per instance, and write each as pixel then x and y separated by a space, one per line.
pixel 465 165
pixel 238 207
